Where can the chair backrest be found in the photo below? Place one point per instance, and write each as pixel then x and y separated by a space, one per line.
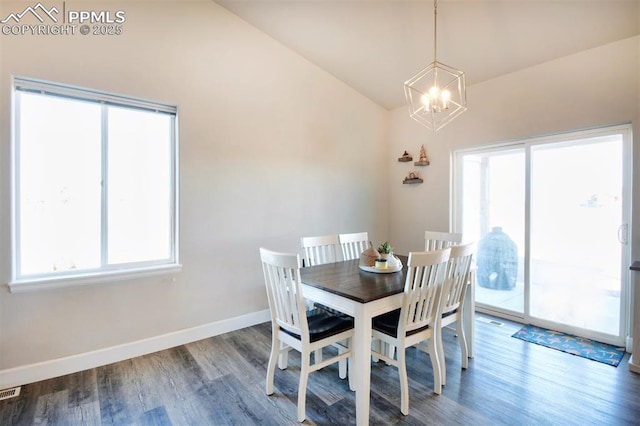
pixel 457 277
pixel 434 240
pixel 422 289
pixel 320 250
pixel 282 279
pixel 353 244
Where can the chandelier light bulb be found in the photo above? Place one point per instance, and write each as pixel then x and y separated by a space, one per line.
pixel 426 101
pixel 445 98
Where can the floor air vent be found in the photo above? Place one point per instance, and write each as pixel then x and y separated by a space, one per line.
pixel 489 321
pixel 9 393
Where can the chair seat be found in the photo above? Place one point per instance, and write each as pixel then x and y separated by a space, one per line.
pixel 448 314
pixel 323 324
pixel 388 324
pixel 330 310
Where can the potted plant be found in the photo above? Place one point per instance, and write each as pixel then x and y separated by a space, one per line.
pixel 385 250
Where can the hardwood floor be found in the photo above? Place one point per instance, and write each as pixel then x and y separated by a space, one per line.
pixel 220 381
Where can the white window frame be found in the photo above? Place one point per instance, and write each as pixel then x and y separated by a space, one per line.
pixel 106 272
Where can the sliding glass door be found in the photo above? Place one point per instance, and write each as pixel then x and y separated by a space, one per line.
pixel 576 214
pixel 550 216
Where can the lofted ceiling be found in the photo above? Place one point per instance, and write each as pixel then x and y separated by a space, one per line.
pixel 376 45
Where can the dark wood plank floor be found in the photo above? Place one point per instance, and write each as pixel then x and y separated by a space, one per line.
pixel 220 381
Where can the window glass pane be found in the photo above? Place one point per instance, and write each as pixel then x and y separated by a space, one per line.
pixel 59 192
pixel 493 215
pixel 576 199
pixel 140 188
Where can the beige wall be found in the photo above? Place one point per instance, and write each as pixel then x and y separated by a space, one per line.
pixel 596 87
pixel 271 148
pixel 592 88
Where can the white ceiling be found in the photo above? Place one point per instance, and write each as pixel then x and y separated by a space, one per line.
pixel 376 45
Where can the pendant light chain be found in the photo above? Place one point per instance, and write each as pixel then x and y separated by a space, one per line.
pixel 435 42
pixel 435 30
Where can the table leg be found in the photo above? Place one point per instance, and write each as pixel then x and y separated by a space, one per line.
pixel 362 360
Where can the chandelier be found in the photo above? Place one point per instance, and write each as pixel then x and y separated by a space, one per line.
pixel 437 94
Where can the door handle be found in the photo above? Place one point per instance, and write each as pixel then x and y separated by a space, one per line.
pixel 623 231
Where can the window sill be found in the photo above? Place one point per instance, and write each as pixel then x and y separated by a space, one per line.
pixel 49 283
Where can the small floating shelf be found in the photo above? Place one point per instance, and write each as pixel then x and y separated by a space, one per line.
pixel 421 163
pixel 405 157
pixel 411 181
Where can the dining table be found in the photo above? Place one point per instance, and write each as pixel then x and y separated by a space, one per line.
pixel 365 294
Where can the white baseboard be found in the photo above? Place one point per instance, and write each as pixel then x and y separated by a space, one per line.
pixel 23 375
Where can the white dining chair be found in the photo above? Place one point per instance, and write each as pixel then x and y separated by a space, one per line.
pixel 293 327
pixel 457 278
pixel 353 244
pixel 412 324
pixel 320 250
pixel 435 240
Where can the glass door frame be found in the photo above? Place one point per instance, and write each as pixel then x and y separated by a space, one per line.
pixel 456 219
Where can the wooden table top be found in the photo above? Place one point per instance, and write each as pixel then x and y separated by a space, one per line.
pixel 348 280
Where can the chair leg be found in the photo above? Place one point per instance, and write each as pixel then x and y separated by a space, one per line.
pixel 271 369
pixel 352 387
pixel 302 388
pixel 404 382
pixel 440 350
pixel 283 359
pixel 342 364
pixel 391 351
pixel 383 348
pixel 436 364
pixel 376 344
pixel 317 356
pixel 464 349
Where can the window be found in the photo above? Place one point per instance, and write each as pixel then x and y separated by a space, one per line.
pixel 95 185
